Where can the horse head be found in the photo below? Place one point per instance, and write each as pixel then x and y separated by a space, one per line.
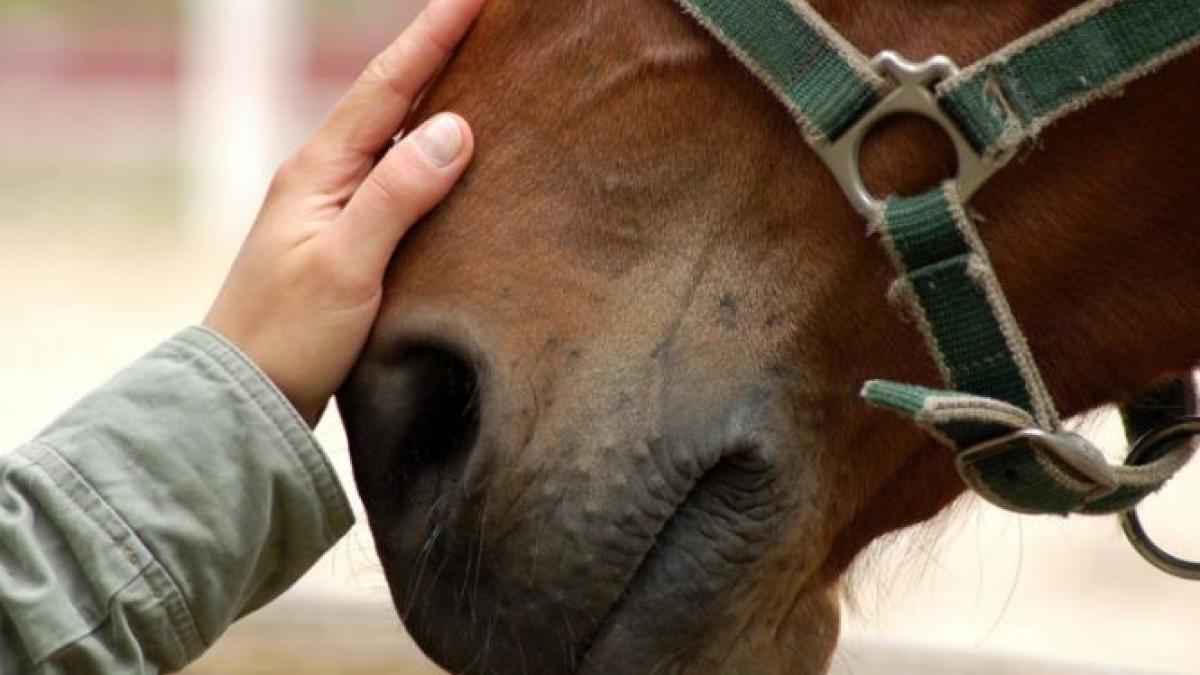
pixel 609 418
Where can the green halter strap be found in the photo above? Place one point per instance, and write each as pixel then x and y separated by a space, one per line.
pixel 1090 52
pixel 996 412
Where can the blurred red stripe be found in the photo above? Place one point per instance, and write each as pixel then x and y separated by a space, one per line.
pixel 150 52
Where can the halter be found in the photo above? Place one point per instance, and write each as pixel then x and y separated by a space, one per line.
pixel 996 412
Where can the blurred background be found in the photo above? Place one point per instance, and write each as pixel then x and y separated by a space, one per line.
pixel 136 140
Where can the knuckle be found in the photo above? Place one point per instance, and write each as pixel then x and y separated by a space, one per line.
pixel 426 40
pixel 396 182
pixel 378 68
pixel 304 166
pixel 290 172
pixel 382 70
pixel 282 181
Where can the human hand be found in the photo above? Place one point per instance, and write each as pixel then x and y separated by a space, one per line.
pixel 307 283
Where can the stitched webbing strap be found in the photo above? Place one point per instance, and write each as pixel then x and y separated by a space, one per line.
pixel 1092 51
pixel 999 102
pixel 822 79
pixel 948 285
pixel 1021 477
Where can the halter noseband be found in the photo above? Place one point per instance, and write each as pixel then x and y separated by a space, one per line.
pixel 996 412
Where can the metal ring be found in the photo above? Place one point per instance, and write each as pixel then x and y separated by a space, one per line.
pixel 1149 448
pixel 911 94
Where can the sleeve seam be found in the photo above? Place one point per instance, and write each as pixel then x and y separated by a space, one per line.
pixel 65 480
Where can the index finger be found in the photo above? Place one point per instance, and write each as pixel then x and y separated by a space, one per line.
pixel 377 104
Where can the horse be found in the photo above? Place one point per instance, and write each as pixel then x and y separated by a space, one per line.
pixel 609 419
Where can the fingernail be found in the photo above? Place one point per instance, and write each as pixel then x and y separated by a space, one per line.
pixel 441 139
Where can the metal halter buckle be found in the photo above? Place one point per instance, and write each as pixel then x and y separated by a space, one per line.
pixel 1066 449
pixel 1151 447
pixel 913 95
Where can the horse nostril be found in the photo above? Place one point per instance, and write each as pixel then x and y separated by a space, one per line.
pixel 409 414
pixel 443 392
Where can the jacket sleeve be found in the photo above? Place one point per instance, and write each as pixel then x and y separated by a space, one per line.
pixel 177 498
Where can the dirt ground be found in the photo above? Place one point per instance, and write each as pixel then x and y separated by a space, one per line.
pixel 321 637
pixel 316 637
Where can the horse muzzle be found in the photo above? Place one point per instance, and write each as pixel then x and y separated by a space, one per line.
pixel 524 531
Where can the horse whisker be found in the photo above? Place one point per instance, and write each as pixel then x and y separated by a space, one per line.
pixel 423 562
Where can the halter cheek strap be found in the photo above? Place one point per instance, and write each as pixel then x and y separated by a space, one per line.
pixel 995 412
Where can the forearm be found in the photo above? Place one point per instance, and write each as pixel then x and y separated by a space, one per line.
pixel 178 497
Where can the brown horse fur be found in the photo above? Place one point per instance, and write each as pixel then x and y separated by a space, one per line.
pixel 652 274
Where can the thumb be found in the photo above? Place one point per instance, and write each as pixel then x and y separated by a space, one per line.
pixel 410 180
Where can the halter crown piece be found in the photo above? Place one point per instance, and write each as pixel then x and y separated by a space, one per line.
pixel 996 412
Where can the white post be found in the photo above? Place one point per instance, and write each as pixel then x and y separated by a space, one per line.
pixel 243 64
